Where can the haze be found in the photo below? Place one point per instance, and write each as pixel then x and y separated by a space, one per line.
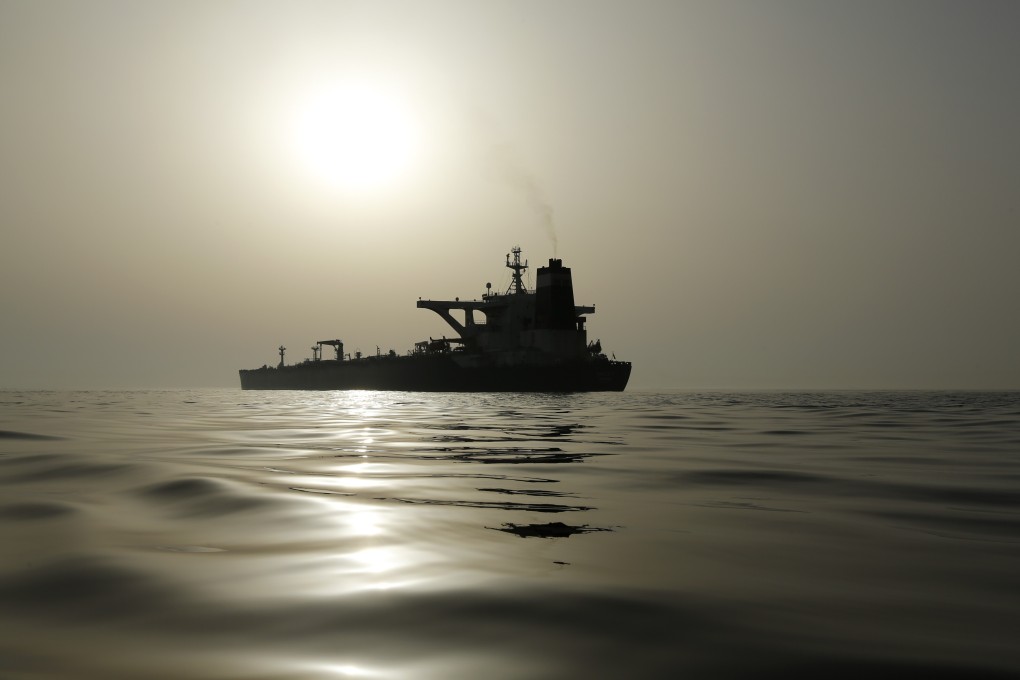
pixel 752 194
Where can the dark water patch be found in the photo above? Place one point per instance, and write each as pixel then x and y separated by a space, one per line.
pixel 205 496
pixel 753 477
pixel 852 415
pixel 85 587
pixel 561 430
pixel 500 455
pixel 540 458
pixel 990 424
pixel 549 530
pixel 490 449
pixel 886 437
pixel 782 666
pixel 919 460
pixel 780 444
pixel 445 439
pixel 455 426
pixel 870 488
pixel 36 510
pixel 530 492
pixel 528 428
pixel 191 487
pixel 72 471
pixel 743 505
pixel 327 492
pixel 28 436
pixel 946 495
pixel 189 549
pixel 964 523
pixel 502 478
pixel 9 460
pixel 530 507
pixel 657 427
pixel 30 664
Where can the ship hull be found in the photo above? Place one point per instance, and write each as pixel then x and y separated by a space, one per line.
pixel 439 374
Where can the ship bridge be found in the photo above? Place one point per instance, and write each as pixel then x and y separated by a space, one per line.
pixel 466 330
pixel 546 320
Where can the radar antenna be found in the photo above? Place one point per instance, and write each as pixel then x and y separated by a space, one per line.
pixel 517 284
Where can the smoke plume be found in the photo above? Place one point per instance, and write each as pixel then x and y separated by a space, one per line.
pixel 500 161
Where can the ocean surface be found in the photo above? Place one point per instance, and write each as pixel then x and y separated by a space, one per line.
pixel 229 534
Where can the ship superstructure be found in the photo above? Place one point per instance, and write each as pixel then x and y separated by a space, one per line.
pixel 517 340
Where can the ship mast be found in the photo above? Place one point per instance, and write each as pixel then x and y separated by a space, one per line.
pixel 517 284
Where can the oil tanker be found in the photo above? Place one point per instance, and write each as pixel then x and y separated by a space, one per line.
pixel 519 340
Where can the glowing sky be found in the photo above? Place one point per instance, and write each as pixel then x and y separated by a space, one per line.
pixel 752 194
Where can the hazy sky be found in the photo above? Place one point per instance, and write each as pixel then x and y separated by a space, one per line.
pixel 756 194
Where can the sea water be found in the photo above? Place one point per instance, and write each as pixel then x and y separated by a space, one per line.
pixel 229 534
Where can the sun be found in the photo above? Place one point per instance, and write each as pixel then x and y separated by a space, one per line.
pixel 356 135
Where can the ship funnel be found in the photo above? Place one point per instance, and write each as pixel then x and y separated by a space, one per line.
pixel 554 297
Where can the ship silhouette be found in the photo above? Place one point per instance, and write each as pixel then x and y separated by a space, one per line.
pixel 524 341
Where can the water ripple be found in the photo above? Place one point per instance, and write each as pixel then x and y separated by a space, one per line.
pixel 218 533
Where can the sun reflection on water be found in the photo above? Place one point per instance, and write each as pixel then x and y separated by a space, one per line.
pixel 349 670
pixel 365 468
pixel 365 523
pixel 377 560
